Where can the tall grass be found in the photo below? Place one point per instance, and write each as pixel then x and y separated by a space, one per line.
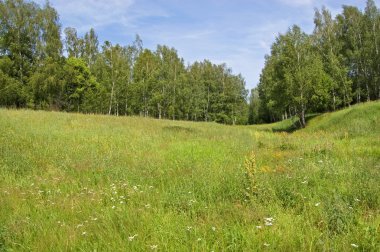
pixel 72 182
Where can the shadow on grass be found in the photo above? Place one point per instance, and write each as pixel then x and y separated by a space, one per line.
pixel 178 129
pixel 292 124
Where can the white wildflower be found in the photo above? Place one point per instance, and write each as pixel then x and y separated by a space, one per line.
pixel 130 238
pixel 213 229
pixel 354 245
pixel 269 221
pixel 153 247
pixel 266 244
pixel 317 204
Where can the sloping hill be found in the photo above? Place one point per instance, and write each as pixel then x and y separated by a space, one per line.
pixel 361 119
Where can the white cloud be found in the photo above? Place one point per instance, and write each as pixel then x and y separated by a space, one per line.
pixel 98 14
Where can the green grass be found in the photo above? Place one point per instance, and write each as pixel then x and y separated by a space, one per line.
pixel 71 182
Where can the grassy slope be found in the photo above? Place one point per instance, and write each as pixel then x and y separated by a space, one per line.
pixel 82 182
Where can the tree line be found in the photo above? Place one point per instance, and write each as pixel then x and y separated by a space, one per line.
pixel 334 67
pixel 41 70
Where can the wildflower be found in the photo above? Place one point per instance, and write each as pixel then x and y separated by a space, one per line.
pixel 84 233
pixel 113 207
pixel 317 204
pixel 266 244
pixel 213 229
pixel 130 238
pixel 191 202
pixel 268 221
pixel 199 239
pixel 153 247
pixel 357 200
pixel 121 202
pixel 189 228
pixel 304 182
pixel 354 245
pixel 135 188
pixel 258 227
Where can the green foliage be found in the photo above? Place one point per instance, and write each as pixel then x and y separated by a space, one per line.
pixel 334 67
pixel 129 80
pixel 78 80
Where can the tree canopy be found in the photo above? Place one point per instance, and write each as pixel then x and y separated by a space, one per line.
pixel 335 66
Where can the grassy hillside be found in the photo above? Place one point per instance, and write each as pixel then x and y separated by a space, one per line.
pixel 99 183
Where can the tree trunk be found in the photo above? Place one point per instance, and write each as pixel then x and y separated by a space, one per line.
pixel 302 118
pixel 113 84
pixel 208 101
pixel 110 107
pixel 334 100
pixel 159 110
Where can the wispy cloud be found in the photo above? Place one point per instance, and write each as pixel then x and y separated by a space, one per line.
pixel 98 14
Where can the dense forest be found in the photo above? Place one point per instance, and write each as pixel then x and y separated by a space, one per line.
pixel 40 70
pixel 334 67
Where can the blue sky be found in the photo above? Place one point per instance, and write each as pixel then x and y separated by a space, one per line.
pixel 237 32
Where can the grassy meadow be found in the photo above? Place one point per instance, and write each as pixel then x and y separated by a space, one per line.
pixel 73 182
